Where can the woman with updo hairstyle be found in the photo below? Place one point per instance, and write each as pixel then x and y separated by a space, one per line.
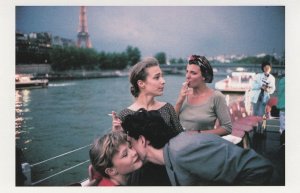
pixel 199 106
pixel 147 82
pixel 138 72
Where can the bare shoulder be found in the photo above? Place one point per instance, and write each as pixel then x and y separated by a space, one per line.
pixel 160 104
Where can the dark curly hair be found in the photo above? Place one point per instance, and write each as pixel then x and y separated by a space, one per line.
pixel 149 124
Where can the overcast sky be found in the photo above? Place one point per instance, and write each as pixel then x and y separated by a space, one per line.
pixel 178 30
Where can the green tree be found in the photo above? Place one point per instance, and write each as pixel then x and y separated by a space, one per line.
pixel 57 56
pixel 161 57
pixel 173 61
pixel 72 58
pixel 133 55
pixel 177 61
pixel 113 60
pixel 181 61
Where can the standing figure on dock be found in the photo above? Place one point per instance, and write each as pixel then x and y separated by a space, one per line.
pixel 198 106
pixel 147 82
pixel 262 86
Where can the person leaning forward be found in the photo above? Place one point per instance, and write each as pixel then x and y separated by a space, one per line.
pixel 194 159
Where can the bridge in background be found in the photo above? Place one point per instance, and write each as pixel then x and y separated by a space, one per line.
pixel 222 68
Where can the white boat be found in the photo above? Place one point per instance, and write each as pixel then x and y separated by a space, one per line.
pixel 28 81
pixel 238 82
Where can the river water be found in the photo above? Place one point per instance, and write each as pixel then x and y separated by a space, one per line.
pixel 68 115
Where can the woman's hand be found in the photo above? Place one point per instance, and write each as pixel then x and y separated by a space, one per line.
pixel 184 91
pixel 116 122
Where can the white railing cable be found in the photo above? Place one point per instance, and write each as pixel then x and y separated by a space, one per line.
pixel 39 181
pixel 60 155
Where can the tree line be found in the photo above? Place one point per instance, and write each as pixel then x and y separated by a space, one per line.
pixel 73 58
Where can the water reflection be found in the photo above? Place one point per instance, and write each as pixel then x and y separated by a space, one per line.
pixel 22 98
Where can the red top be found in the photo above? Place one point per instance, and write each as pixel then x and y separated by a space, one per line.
pixel 272 101
pixel 106 182
pixel 96 175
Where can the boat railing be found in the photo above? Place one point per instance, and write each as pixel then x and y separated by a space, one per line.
pixel 26 167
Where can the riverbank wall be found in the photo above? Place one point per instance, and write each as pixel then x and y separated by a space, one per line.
pixel 45 71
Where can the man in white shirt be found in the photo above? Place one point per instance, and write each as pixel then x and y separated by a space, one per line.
pixel 262 86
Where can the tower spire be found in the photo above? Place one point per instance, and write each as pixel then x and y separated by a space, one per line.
pixel 83 34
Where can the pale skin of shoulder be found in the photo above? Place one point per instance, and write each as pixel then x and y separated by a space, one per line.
pixel 116 122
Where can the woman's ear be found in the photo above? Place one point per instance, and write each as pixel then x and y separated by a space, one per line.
pixel 111 171
pixel 141 84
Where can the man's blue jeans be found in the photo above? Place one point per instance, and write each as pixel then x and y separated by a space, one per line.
pixel 259 108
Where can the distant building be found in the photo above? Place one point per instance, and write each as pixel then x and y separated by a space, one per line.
pixel 21 41
pixel 64 42
pixel 34 47
pixel 40 42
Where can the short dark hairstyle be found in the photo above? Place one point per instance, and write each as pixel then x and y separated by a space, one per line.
pixel 204 65
pixel 149 124
pixel 265 64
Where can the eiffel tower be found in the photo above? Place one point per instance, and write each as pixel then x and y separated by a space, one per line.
pixel 83 34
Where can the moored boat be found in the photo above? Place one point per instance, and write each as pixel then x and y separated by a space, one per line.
pixel 28 81
pixel 237 82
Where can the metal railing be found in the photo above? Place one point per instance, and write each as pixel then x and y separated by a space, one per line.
pixel 26 167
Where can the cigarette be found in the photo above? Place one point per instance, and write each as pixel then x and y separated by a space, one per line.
pixel 110 114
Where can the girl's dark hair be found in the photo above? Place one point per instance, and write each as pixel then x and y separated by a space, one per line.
pixel 205 67
pixel 151 125
pixel 138 72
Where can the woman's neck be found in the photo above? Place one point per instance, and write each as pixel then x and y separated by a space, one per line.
pixel 202 89
pixel 146 102
pixel 119 179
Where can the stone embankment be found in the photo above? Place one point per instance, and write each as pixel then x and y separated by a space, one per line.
pixel 45 71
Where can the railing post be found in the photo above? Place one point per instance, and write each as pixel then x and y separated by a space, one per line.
pixel 26 169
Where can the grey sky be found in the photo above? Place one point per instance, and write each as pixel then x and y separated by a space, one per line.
pixel 178 30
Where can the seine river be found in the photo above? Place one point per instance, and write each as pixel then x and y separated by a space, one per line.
pixel 68 115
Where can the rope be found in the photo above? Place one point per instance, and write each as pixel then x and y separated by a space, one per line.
pixel 59 155
pixel 37 182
